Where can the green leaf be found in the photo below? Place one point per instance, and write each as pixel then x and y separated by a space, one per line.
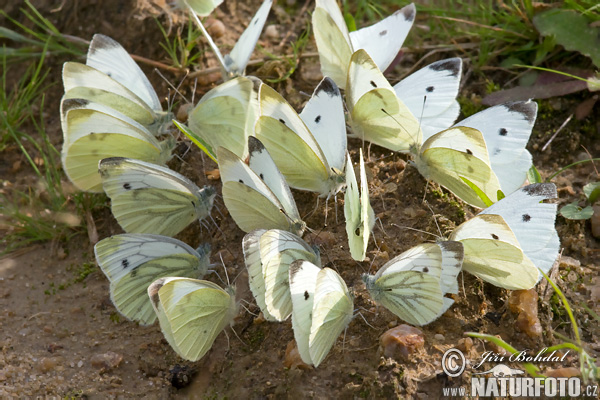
pixel 484 197
pixel 592 191
pixel 571 30
pixel 573 211
pixel 533 175
pixel 205 147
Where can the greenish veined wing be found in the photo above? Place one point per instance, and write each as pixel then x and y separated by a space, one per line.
pixel 85 82
pixel 409 284
pixel 376 114
pixel 303 282
pixel 200 7
pixel 225 116
pixel 131 262
pixel 332 312
pixel 93 136
pixel 256 202
pixel 359 214
pixel 308 148
pixel 333 41
pixel 493 253
pixel 457 153
pixel 194 313
pixel 256 280
pixel 148 198
pixel 278 250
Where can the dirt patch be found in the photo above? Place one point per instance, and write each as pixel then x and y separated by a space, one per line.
pixel 60 328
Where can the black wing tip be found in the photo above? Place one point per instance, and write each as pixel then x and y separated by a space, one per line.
pixel 328 86
pixel 526 108
pixel 409 12
pixel 452 65
pixel 295 267
pixel 100 41
pixel 255 145
pixel 111 160
pixel 68 104
pixel 545 190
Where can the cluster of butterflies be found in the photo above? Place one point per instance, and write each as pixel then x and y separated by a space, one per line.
pixel 117 139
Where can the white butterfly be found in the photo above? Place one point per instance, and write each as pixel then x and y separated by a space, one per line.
pixel 225 116
pixel 111 77
pixel 382 41
pixel 413 284
pixel 200 7
pixel 93 132
pixel 322 308
pixel 256 194
pixel 506 243
pixel 234 63
pixel 148 198
pixel 308 148
pixel 131 262
pixel 268 255
pixel 192 313
pixel 360 218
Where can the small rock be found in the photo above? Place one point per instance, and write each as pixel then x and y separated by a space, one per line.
pixel 402 341
pixel 215 28
pixel 524 303
pixel 47 363
pixel 53 347
pixel 272 32
pixel 465 345
pixel 595 220
pixel 106 361
pixel 292 358
pixel 568 262
pixel 439 337
pixel 572 276
pixel 567 372
pixel 181 376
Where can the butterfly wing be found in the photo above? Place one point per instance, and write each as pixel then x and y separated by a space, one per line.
pixel 279 249
pixel 332 312
pixel 201 7
pixel 459 152
pixel 358 211
pixel 109 57
pixel 132 262
pixel 493 253
pixel 532 222
pixel 251 203
pixel 236 61
pixel 196 312
pixel 453 254
pixel 376 114
pixel 506 129
pixel 430 95
pixel 225 116
pixel 384 39
pixel 148 198
pixel 333 41
pixel 303 282
pixel 92 136
pixel 254 265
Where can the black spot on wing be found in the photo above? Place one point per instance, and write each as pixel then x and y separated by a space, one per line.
pixel 383 33
pixel 318 119
pixel 409 12
pixel 469 152
pixel 451 65
pixel 373 84
pixel 425 269
pixel 262 177
pixel 526 108
pixel 282 121
pixel 526 217
pixel 357 231
pixel 240 181
pixel 502 132
pixel 495 237
pixel 126 186
pixel 125 263
pixel 430 89
pixel 306 295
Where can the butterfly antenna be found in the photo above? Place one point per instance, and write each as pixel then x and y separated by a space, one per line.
pixel 246 308
pixel 416 230
pixel 434 218
pixel 363 317
pixel 313 211
pixel 176 89
pixel 236 335
pixel 206 35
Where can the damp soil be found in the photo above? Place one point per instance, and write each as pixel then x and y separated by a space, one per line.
pixel 62 336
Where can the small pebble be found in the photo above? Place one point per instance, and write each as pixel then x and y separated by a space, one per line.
pixel 106 361
pixel 215 28
pixel 439 337
pixel 47 364
pixel 402 341
pixel 272 32
pixel 465 345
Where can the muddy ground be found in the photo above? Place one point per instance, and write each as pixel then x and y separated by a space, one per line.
pixel 62 336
